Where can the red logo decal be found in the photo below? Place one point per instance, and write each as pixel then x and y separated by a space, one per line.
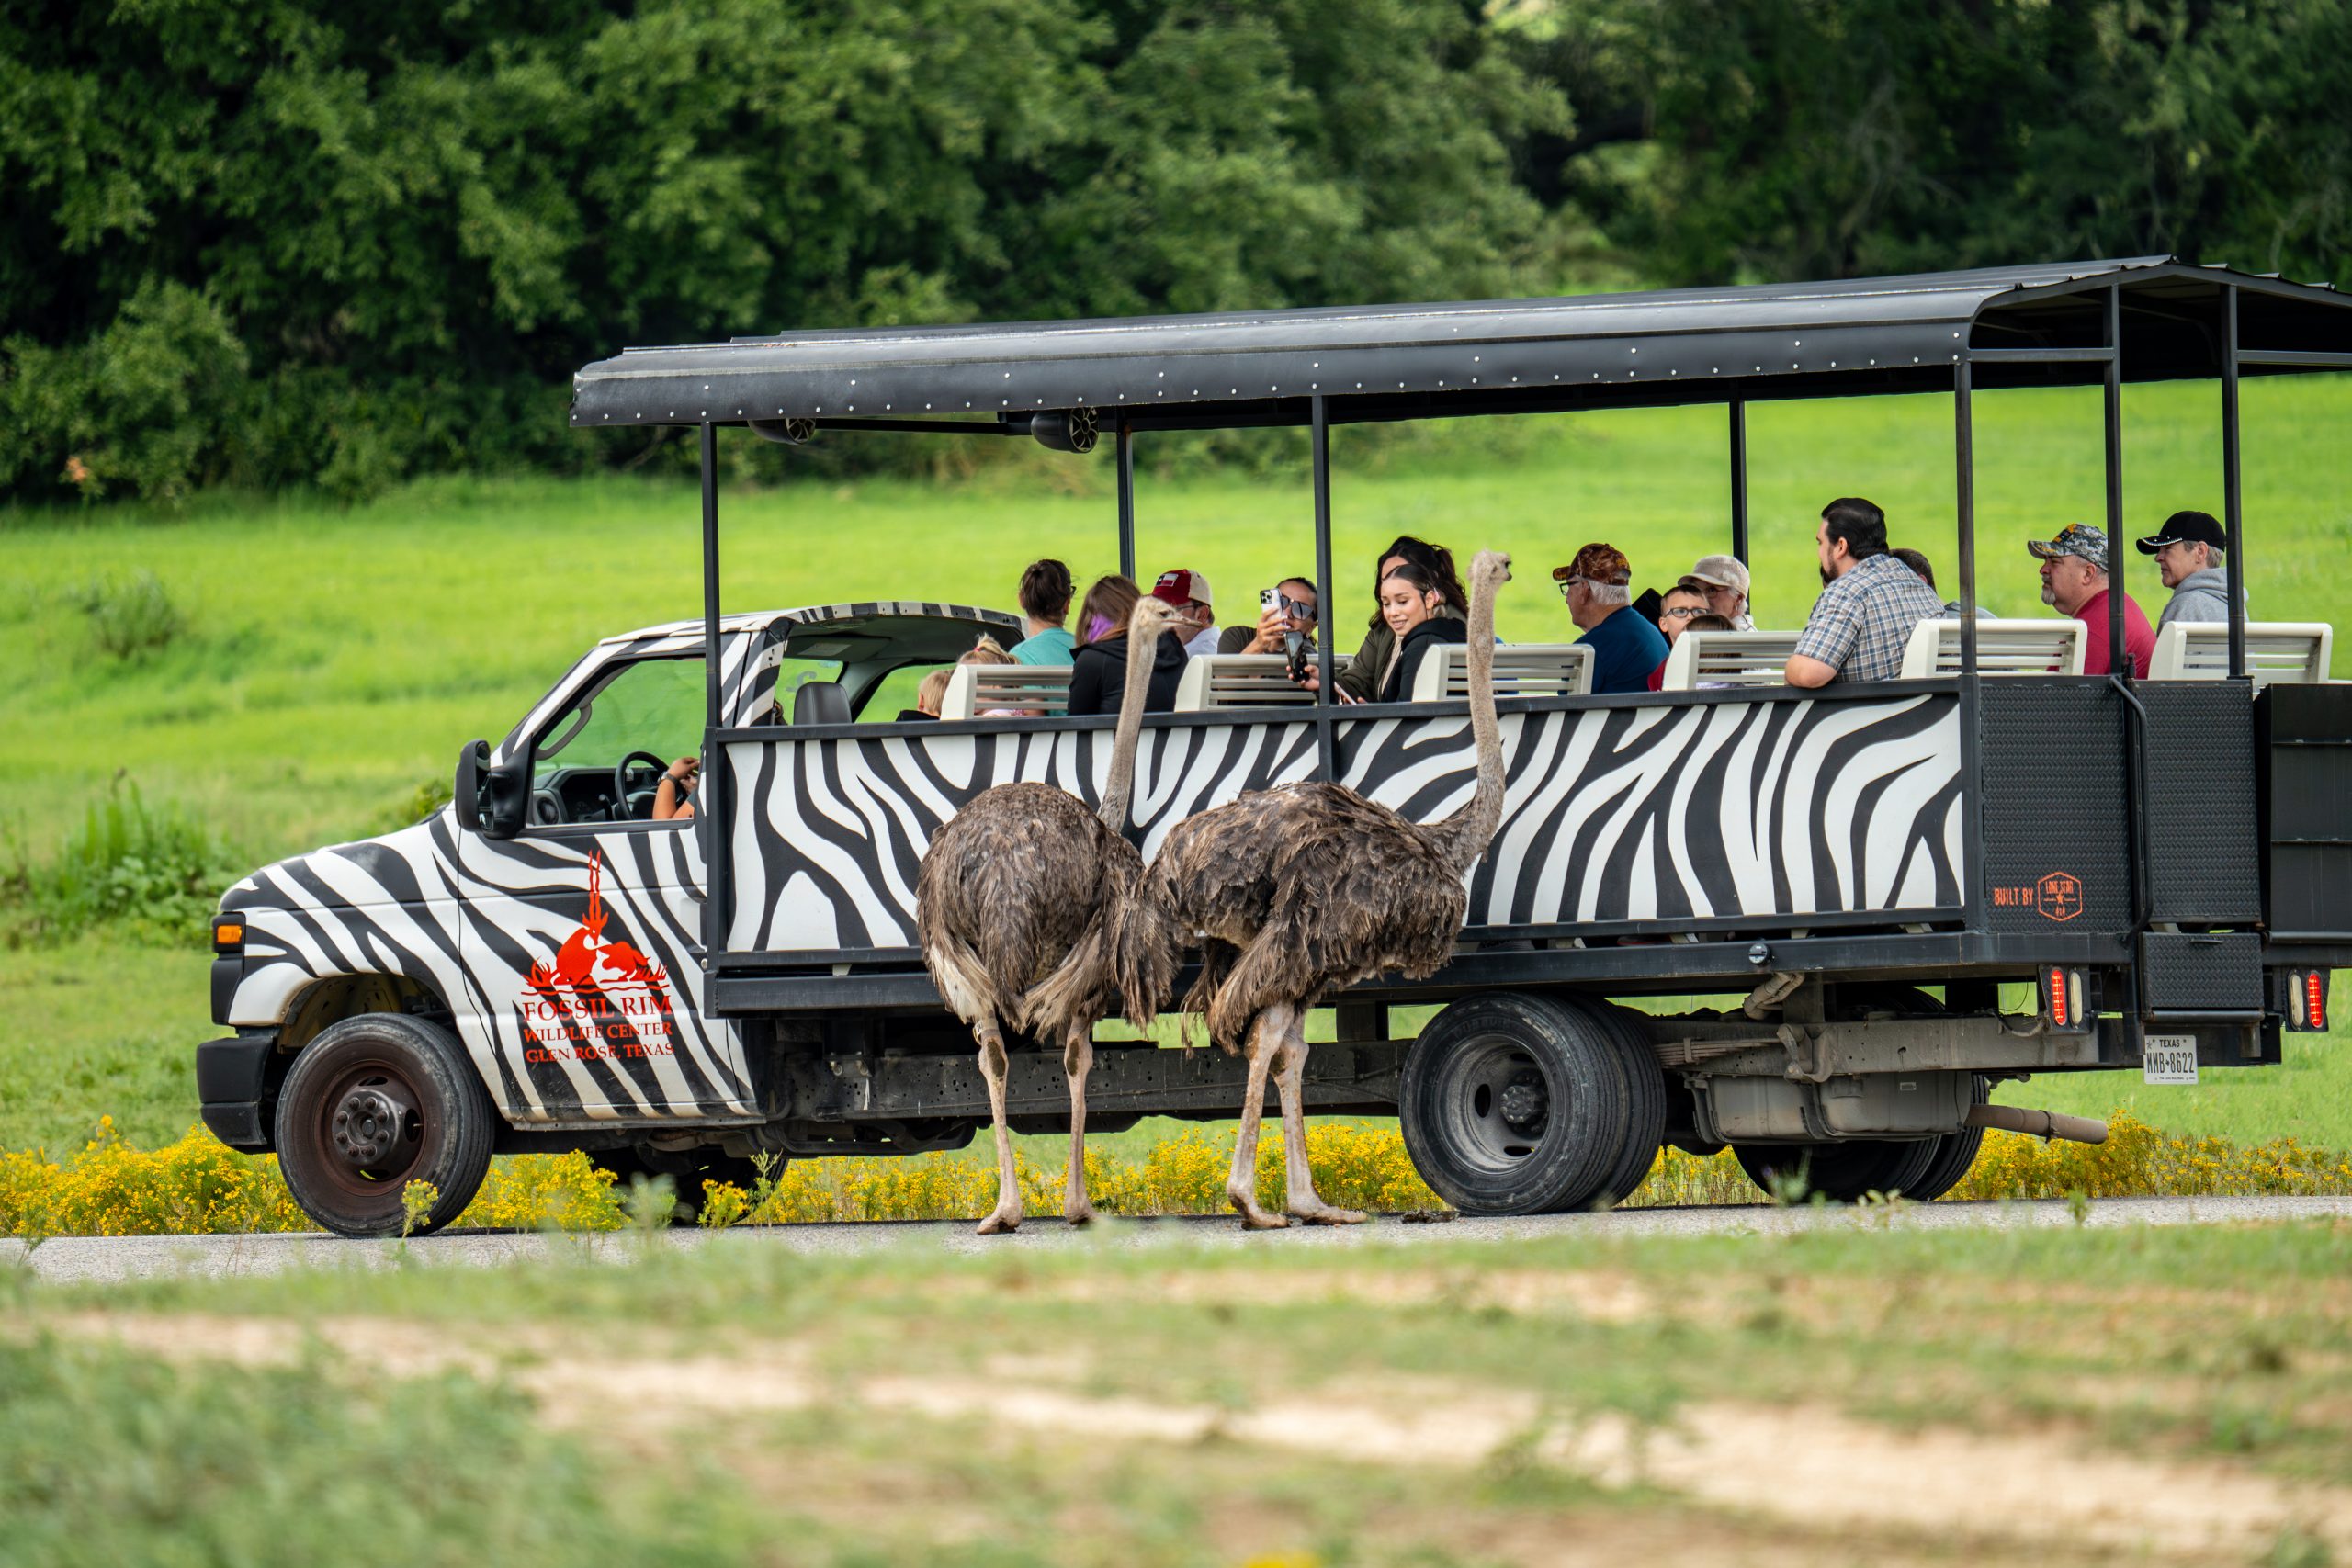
pixel 2059 895
pixel 600 1000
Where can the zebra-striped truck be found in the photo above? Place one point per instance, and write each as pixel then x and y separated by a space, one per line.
pixel 2159 870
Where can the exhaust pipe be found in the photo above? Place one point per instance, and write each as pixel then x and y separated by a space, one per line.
pixel 2037 1123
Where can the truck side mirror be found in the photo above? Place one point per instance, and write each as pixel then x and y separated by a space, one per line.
pixel 492 800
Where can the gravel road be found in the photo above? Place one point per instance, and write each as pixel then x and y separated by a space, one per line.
pixel 107 1260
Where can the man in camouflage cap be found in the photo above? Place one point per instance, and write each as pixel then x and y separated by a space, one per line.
pixel 1598 585
pixel 2074 581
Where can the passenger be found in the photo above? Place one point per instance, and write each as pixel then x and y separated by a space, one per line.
pixel 1870 602
pixel 1189 592
pixel 988 650
pixel 1361 680
pixel 1598 585
pixel 1267 635
pixel 930 697
pixel 2074 580
pixel 1411 597
pixel 1684 607
pixel 1099 672
pixel 1918 563
pixel 1046 592
pixel 1726 580
pixel 670 802
pixel 2189 550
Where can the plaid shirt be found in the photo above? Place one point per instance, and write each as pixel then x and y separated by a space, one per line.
pixel 1861 622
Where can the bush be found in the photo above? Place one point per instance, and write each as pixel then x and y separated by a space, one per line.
pixel 128 616
pixel 155 873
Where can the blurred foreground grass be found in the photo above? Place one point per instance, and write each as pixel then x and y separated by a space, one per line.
pixel 1439 1404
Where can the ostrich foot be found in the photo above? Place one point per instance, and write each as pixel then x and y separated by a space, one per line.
pixel 1325 1214
pixel 1253 1217
pixel 1080 1214
pixel 1001 1223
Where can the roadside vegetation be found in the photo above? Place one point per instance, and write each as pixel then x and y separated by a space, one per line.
pixel 1845 1393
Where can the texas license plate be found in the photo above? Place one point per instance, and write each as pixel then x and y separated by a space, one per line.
pixel 2168 1058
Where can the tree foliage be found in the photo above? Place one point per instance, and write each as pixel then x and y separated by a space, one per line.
pixel 281 243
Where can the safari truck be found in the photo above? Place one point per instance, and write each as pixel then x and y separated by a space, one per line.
pixel 1856 871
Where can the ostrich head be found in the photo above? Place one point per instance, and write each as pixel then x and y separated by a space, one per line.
pixel 1488 572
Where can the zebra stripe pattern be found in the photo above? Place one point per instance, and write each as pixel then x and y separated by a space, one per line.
pixel 1710 810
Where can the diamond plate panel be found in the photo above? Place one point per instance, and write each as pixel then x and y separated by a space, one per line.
pixel 2204 861
pixel 2053 804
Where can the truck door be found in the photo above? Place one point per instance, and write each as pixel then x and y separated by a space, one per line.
pixel 587 926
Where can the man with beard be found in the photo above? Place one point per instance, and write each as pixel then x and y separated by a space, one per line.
pixel 1870 602
pixel 2073 582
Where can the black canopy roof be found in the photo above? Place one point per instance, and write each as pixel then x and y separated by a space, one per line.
pixel 1856 335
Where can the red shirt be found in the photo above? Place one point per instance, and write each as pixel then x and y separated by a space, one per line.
pixel 2139 638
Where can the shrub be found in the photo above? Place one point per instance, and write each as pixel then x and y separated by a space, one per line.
pixel 128 616
pixel 153 871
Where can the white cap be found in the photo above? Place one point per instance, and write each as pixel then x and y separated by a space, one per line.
pixel 1723 571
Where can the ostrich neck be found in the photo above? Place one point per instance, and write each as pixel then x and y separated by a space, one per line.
pixel 1462 838
pixel 1143 651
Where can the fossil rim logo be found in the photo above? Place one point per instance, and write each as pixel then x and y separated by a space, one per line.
pixel 600 999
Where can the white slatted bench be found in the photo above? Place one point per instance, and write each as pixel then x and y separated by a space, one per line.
pixel 1240 681
pixel 2049 647
pixel 1728 659
pixel 2292 652
pixel 1522 669
pixel 975 690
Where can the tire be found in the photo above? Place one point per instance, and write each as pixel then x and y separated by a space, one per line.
pixel 1955 1151
pixel 1843 1173
pixel 1645 1101
pixel 374 1103
pixel 686 1169
pixel 1555 1145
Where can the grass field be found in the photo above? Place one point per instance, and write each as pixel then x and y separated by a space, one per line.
pixel 1854 1394
pixel 330 661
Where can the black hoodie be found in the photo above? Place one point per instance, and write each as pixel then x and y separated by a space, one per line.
pixel 1098 677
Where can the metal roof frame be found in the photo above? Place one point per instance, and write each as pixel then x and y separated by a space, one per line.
pixel 1239 370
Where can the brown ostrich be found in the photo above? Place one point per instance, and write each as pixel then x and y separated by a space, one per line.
pixel 1028 910
pixel 1301 891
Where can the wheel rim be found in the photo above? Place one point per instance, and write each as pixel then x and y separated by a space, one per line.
pixel 372 1130
pixel 1496 1101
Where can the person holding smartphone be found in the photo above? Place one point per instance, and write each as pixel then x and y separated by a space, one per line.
pixel 670 801
pixel 1291 614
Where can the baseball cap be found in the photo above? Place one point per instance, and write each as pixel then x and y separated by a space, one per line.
pixel 1597 563
pixel 1181 587
pixel 1722 571
pixel 2186 528
pixel 2079 539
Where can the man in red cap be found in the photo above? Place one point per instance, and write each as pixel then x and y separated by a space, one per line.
pixel 1189 592
pixel 1598 585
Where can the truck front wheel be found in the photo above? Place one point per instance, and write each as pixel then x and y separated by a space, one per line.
pixel 375 1102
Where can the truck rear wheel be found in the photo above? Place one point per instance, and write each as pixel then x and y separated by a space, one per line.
pixel 1514 1104
pixel 1955 1152
pixel 1645 1102
pixel 686 1169
pixel 375 1102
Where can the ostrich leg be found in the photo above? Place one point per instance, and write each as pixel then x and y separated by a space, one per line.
pixel 994 1066
pixel 1241 1186
pixel 1077 1059
pixel 1290 1083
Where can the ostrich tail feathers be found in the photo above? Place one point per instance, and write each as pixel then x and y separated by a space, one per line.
pixel 1071 991
pixel 1143 950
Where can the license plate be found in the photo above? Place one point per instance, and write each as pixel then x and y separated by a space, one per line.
pixel 2168 1058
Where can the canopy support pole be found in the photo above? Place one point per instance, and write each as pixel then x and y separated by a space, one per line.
pixel 1127 446
pixel 1972 750
pixel 2118 658
pixel 710 811
pixel 2233 506
pixel 1738 407
pixel 1326 708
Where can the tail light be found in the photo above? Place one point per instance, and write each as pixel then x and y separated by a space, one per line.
pixel 2062 999
pixel 2304 1006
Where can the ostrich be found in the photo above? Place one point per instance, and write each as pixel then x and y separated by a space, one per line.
pixel 1028 912
pixel 1302 890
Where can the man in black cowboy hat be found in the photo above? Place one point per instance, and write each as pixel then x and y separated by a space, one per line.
pixel 2189 558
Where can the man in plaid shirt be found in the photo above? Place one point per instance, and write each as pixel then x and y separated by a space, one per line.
pixel 1870 602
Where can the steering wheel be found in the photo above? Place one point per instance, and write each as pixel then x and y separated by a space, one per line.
pixel 627 793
